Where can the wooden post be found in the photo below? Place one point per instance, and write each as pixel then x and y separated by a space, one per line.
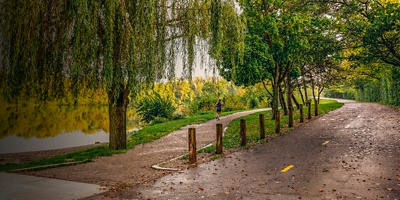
pixel 315 107
pixel 242 132
pixel 262 127
pixel 301 113
pixel 192 145
pixel 309 109
pixel 278 122
pixel 219 139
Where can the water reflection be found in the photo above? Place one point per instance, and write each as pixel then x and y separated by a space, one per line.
pixel 31 128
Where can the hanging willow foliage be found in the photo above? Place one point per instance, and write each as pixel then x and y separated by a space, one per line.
pixel 49 47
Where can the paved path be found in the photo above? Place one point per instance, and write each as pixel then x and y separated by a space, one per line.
pixel 14 186
pixel 350 153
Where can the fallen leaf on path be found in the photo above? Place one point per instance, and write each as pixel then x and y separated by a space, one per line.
pixel 201 189
pixel 389 189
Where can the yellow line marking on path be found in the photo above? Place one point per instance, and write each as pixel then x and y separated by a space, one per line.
pixel 325 143
pixel 287 168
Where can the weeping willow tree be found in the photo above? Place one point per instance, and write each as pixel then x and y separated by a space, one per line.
pixel 49 47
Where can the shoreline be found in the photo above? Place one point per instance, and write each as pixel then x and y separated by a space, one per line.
pixel 30 156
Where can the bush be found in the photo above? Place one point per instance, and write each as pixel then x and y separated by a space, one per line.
pixel 207 103
pixel 204 104
pixel 154 106
pixel 234 103
pixel 253 103
pixel 177 115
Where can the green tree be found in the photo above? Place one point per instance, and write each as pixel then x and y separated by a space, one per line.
pixel 121 46
pixel 273 45
pixel 371 32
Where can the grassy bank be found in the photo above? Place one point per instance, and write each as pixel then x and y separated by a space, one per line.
pixel 231 138
pixel 147 134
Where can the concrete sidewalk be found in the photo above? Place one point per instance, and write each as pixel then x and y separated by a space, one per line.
pixel 14 186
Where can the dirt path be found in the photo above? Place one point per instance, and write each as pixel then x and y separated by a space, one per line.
pixel 350 153
pixel 134 167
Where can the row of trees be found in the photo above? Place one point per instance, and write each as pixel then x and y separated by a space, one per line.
pixel 295 45
pixel 373 51
pixel 290 45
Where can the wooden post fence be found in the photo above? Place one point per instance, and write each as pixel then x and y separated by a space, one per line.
pixel 262 127
pixel 192 145
pixel 219 139
pixel 242 132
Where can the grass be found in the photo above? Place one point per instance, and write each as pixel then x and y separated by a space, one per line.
pixel 147 134
pixel 231 138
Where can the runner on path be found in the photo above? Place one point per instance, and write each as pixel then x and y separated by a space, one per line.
pixel 219 108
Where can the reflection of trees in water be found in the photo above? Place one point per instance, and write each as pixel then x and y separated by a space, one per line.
pixel 48 121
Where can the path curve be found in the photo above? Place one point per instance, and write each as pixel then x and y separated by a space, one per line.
pixel 134 166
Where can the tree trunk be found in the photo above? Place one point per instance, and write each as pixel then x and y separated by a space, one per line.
pixel 282 101
pixel 275 96
pixel 313 91
pixel 278 122
pixel 117 116
pixel 320 90
pixel 301 93
pixel 295 101
pixel 275 93
pixel 289 98
pixel 304 88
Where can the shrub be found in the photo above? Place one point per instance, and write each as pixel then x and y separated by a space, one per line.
pixel 253 103
pixel 207 103
pixel 204 104
pixel 177 115
pixel 233 103
pixel 153 106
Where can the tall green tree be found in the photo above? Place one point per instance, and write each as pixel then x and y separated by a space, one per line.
pixel 122 46
pixel 272 46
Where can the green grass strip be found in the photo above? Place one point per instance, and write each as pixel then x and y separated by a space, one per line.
pixel 231 138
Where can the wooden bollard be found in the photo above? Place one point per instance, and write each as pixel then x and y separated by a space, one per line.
pixel 262 127
pixel 278 122
pixel 301 113
pixel 192 145
pixel 219 139
pixel 309 110
pixel 315 107
pixel 242 132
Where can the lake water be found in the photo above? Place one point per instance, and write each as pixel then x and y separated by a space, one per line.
pixel 35 128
